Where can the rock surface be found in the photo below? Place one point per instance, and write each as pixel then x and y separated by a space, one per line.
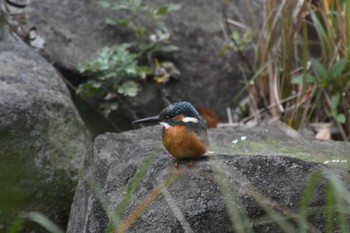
pixel 42 138
pixel 132 174
pixel 75 31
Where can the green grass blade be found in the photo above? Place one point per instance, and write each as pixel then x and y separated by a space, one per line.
pixel 305 201
pixel 43 221
pixel 324 36
pixel 17 225
pixel 337 201
pixel 347 25
pixel 131 188
pixel 36 217
pixel 255 76
pixel 236 210
pixel 330 208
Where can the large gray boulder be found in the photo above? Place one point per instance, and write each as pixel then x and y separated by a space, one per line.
pixel 75 31
pixel 130 179
pixel 43 141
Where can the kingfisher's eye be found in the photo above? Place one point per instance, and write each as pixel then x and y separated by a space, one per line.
pixel 166 117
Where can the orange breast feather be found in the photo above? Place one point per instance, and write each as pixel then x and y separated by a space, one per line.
pixel 182 143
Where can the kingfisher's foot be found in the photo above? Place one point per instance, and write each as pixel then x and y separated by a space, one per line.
pixel 177 164
pixel 190 163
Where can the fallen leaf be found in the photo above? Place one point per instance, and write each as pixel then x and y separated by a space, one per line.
pixel 324 134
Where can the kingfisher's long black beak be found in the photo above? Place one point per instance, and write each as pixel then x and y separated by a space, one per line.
pixel 152 119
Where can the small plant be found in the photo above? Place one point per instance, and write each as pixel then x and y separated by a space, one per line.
pixel 237 42
pixel 118 70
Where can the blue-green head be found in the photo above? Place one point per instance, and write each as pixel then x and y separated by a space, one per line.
pixel 177 113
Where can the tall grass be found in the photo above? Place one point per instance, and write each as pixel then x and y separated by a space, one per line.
pixel 302 63
pixel 333 214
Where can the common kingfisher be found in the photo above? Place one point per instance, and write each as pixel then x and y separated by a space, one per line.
pixel 184 133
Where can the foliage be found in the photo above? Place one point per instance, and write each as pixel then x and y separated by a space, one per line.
pixel 303 63
pixel 237 42
pixel 131 188
pixel 118 70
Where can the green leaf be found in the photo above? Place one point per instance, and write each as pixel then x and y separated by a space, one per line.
pixel 119 6
pixel 162 10
pixel 129 88
pixel 335 100
pixel 89 89
pixel 241 41
pixel 136 3
pixel 173 7
pixel 247 36
pixel 17 225
pixel 226 48
pixel 340 118
pixel 167 48
pixel 144 69
pixel 120 22
pixel 235 36
pixel 131 69
pixel 320 69
pixel 300 79
pixel 140 31
pixel 338 68
pixel 110 105
pixel 104 4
